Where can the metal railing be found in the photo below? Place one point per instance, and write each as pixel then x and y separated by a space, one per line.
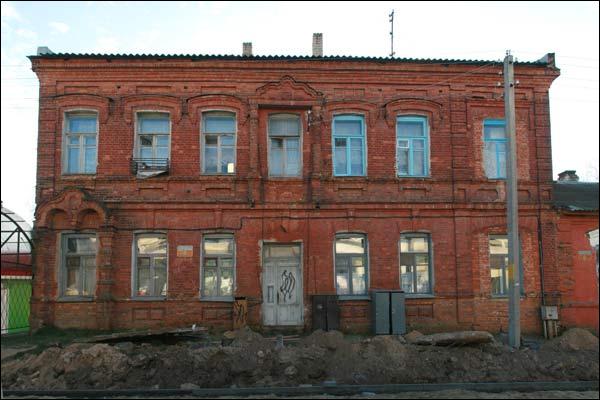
pixel 139 165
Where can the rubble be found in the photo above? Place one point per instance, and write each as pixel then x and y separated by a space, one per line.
pixel 252 360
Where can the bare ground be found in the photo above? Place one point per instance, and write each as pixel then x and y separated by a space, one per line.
pixel 251 360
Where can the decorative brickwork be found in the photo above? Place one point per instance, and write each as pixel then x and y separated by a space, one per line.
pixel 457 205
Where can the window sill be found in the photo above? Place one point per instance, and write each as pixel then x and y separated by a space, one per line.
pixel 78 176
pixel 505 297
pixel 347 297
pixel 418 296
pixel 149 298
pixel 218 175
pixel 416 177
pixel 217 299
pixel 286 178
pixel 75 299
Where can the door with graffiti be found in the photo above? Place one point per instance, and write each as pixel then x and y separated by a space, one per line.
pixel 282 285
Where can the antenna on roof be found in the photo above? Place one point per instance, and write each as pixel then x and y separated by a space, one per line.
pixel 392 33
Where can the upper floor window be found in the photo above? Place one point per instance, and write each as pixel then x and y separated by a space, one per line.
pixel 153 137
pixel 284 145
pixel 351 264
pixel 81 134
pixel 495 148
pixel 150 265
pixel 218 263
pixel 415 263
pixel 78 265
pixel 218 142
pixel 412 146
pixel 348 145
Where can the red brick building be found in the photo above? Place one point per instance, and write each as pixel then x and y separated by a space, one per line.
pixel 168 185
pixel 577 206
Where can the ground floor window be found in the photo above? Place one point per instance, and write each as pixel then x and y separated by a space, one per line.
pixel 150 272
pixel 415 263
pixel 218 269
pixel 351 264
pixel 79 265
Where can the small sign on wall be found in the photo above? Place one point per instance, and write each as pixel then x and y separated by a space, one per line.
pixel 185 251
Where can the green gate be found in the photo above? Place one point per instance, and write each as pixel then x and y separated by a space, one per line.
pixel 16 293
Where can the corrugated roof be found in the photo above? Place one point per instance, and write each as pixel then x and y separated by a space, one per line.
pixel 199 57
pixel 575 196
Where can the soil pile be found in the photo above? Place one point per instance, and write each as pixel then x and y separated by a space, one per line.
pixel 251 360
pixel 574 339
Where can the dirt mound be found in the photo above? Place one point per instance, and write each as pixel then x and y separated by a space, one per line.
pixel 331 340
pixel 574 339
pixel 251 360
pixel 246 336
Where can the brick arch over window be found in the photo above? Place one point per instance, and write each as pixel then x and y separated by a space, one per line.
pixel 75 102
pixel 160 103
pixel 224 102
pixel 76 208
pixel 406 106
pixel 368 109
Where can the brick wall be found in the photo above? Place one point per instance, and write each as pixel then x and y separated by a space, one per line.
pixel 457 205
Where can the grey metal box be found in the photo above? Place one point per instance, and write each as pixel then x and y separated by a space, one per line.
pixel 388 312
pixel 381 313
pixel 398 313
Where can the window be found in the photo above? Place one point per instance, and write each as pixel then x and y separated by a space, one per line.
pixel 412 147
pixel 499 265
pixel 284 145
pixel 351 264
pixel 150 272
pixel 218 263
pixel 153 131
pixel 494 148
pixel 348 145
pixel 79 265
pixel 415 263
pixel 218 142
pixel 81 132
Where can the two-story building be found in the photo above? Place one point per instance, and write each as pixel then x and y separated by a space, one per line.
pixel 167 185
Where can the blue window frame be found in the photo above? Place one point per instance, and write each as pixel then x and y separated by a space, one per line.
pixel 412 146
pixel 348 145
pixel 495 147
pixel 81 131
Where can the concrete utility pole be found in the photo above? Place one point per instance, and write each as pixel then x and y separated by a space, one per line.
pixel 512 207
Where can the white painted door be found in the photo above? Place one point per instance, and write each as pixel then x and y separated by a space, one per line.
pixel 282 287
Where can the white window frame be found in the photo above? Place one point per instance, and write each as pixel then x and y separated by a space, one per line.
pixel 366 263
pixel 430 266
pixel 203 142
pixel 137 148
pixel 134 268
pixel 284 159
pixel 223 235
pixel 65 141
pixel 62 278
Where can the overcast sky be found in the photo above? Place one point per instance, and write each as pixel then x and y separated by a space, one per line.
pixel 464 30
